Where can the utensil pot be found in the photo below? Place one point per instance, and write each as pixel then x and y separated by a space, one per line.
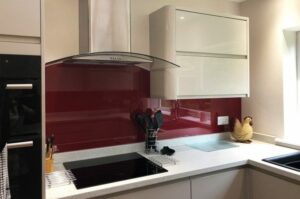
pixel 150 142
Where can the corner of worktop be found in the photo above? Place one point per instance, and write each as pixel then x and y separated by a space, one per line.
pixel 287 143
pixel 264 138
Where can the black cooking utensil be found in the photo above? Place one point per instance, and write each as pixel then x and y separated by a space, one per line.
pixel 51 140
pixel 158 119
pixel 148 121
pixel 167 151
pixel 155 124
pixel 47 146
pixel 140 120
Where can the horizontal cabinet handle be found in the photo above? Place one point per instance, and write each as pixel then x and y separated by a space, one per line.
pixel 20 145
pixel 19 86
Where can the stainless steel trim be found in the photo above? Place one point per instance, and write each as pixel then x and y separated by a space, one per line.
pixel 204 54
pixel 19 86
pixel 20 145
pixel 109 33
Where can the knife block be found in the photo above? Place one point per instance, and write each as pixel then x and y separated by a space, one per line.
pixel 49 165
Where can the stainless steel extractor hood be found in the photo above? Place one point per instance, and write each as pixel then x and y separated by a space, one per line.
pixel 117 59
pixel 105 40
pixel 105 37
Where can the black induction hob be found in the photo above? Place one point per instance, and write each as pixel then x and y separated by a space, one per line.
pixel 110 169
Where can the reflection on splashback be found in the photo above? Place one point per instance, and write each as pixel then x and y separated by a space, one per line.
pixel 92 106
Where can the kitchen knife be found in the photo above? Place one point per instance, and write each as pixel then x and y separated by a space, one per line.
pixel 140 120
pixel 148 121
pixel 47 147
pixel 158 118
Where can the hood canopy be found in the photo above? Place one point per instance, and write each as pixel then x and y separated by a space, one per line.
pixel 117 58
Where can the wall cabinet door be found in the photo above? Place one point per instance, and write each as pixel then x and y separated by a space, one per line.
pixel 210 76
pixel 20 18
pixel 222 185
pixel 205 33
pixel 263 186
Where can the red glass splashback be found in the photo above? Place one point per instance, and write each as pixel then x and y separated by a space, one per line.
pixel 92 106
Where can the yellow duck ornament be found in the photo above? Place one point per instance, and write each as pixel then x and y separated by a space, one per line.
pixel 243 132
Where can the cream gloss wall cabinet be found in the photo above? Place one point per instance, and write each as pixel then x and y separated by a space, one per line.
pixel 212 50
pixel 20 30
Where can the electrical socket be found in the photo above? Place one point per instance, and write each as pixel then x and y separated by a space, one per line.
pixel 223 120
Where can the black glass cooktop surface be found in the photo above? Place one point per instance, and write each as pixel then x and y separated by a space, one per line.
pixel 109 169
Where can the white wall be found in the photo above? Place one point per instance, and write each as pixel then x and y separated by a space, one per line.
pixel 140 10
pixel 268 19
pixel 61 29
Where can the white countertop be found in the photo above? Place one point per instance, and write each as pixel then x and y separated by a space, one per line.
pixel 190 162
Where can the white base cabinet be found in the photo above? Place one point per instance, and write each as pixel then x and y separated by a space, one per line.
pixel 238 183
pixel 229 184
pixel 171 190
pixel 266 186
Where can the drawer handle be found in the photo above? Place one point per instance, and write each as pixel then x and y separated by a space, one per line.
pixel 17 145
pixel 19 86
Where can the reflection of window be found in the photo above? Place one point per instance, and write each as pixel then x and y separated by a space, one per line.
pixel 191 115
pixel 292 88
pixel 296 133
pixel 291 85
pixel 193 112
pixel 197 111
pixel 168 107
pixel 298 70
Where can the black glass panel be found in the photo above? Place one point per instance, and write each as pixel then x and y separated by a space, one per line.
pixel 291 161
pixel 23 109
pixel 20 121
pixel 110 169
pixel 25 168
pixel 20 66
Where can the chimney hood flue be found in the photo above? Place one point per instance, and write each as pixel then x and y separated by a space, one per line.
pixel 104 25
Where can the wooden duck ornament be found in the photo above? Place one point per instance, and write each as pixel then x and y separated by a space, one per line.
pixel 243 132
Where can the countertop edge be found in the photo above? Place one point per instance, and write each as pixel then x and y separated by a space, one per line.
pixel 242 159
pixel 162 179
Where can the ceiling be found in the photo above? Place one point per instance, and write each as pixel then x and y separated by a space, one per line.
pixel 238 1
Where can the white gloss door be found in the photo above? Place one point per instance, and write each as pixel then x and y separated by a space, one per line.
pixel 228 184
pixel 171 190
pixel 20 18
pixel 205 33
pixel 202 77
